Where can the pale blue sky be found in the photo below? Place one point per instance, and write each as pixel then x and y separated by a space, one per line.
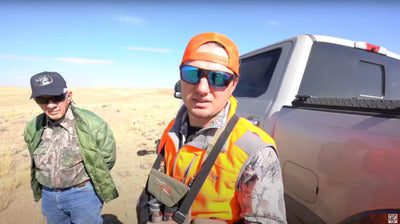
pixel 133 44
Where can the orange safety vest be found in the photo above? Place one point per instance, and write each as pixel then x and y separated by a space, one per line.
pixel 217 197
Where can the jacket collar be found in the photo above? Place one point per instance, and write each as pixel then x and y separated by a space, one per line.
pixel 180 128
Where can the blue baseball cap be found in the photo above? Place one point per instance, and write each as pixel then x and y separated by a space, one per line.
pixel 47 83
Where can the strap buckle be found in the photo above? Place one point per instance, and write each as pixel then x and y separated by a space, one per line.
pixel 179 217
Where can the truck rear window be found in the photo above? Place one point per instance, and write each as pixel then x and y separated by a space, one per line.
pixel 256 73
pixel 335 71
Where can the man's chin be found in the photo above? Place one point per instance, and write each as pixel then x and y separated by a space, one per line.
pixel 200 112
pixel 54 116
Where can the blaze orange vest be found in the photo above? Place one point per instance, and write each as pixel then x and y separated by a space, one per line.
pixel 217 197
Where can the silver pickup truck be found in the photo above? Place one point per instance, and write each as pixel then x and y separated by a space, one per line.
pixel 333 108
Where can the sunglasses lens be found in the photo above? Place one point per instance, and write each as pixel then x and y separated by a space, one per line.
pixel 58 98
pixel 41 100
pixel 219 79
pixel 190 74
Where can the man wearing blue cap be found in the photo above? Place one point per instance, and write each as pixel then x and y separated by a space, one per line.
pixel 72 152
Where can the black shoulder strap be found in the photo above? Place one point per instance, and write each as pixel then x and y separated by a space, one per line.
pixel 184 207
pixel 160 155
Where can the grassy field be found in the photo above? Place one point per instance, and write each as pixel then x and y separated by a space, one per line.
pixel 137 118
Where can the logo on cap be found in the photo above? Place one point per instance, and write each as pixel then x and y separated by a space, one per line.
pixel 43 80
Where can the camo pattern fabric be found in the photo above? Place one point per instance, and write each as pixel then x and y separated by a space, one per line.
pixel 260 189
pixel 57 158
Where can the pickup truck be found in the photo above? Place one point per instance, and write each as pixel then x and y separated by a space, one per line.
pixel 333 107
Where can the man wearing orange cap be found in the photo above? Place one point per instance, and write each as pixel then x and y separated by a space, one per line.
pixel 245 181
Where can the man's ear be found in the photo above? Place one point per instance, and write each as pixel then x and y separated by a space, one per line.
pixel 236 80
pixel 233 85
pixel 69 96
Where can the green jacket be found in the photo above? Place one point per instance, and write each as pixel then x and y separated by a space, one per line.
pixel 97 148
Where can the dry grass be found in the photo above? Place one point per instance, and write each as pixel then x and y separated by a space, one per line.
pixel 137 118
pixel 12 153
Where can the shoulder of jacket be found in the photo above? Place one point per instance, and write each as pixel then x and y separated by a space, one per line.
pixel 252 138
pixel 86 115
pixel 247 125
pixel 82 112
pixel 32 126
pixel 164 135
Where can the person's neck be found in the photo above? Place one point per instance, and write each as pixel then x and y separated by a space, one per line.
pixel 52 122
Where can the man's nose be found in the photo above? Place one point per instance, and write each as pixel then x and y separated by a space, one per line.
pixel 51 104
pixel 203 86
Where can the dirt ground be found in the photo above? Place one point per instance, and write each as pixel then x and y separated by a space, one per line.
pixel 137 118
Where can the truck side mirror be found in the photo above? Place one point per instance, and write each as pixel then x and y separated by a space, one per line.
pixel 177 90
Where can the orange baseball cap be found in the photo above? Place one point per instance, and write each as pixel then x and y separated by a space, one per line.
pixel 232 62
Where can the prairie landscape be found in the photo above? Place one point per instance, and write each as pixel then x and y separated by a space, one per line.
pixel 137 118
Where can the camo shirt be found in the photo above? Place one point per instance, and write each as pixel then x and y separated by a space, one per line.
pixel 57 157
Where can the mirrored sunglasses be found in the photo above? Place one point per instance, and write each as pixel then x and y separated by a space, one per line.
pixel 217 79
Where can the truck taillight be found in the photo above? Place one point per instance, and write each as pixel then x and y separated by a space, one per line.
pixel 370 47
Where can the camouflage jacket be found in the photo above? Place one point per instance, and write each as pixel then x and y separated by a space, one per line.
pixel 97 148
